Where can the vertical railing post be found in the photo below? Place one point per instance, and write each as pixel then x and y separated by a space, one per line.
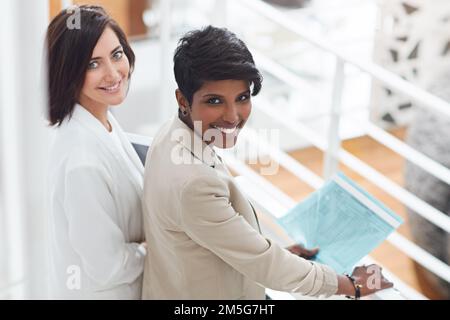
pixel 331 161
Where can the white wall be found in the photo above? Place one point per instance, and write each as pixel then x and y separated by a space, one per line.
pixel 23 149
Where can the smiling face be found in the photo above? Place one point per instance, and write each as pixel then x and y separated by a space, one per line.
pixel 106 80
pixel 219 110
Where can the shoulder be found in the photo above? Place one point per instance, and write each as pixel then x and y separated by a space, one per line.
pixel 75 146
pixel 180 173
pixel 73 132
pixel 173 159
pixel 170 160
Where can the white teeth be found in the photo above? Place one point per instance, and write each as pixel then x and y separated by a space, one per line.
pixel 113 88
pixel 226 131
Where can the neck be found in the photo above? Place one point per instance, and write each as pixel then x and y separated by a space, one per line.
pixel 187 121
pixel 100 112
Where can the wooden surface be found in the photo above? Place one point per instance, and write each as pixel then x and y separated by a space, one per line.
pixel 385 161
pixel 55 8
pixel 127 13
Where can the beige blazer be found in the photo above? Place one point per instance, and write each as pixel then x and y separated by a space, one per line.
pixel 203 236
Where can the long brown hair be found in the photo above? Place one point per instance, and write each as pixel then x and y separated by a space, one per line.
pixel 69 51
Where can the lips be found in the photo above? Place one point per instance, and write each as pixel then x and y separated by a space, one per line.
pixel 112 88
pixel 226 129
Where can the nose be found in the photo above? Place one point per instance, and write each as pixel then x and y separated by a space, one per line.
pixel 112 74
pixel 231 114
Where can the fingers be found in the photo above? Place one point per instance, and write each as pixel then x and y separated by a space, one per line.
pixel 372 278
pixel 385 283
pixel 310 253
pixel 295 249
pixel 367 269
pixel 301 251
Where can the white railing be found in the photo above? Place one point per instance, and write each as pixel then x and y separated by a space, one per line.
pixel 332 148
pixel 424 209
pixel 418 158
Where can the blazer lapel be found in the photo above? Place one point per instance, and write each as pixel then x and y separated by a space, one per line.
pixel 192 142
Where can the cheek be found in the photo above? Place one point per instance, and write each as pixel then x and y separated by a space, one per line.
pixel 209 115
pixel 246 111
pixel 91 81
pixel 124 67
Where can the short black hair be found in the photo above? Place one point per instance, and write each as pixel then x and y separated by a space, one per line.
pixel 69 52
pixel 213 54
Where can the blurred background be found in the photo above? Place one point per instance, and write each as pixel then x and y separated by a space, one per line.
pixel 354 85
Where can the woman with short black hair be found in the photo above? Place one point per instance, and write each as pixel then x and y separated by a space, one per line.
pixel 95 176
pixel 204 236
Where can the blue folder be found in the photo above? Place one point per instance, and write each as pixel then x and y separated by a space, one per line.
pixel 343 220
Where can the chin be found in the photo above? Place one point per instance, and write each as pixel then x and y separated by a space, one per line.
pixel 225 146
pixel 115 101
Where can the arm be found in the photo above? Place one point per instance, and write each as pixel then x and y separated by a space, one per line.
pixel 209 219
pixel 361 275
pixel 345 286
pixel 91 213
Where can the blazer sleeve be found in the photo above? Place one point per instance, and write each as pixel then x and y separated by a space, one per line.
pixel 91 213
pixel 209 219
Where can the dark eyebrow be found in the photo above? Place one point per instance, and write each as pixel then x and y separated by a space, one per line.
pixel 220 96
pixel 98 58
pixel 245 92
pixel 212 95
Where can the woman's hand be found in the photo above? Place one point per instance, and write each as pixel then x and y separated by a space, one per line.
pixel 302 252
pixel 370 278
pixel 142 248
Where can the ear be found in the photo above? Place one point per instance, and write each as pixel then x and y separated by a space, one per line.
pixel 181 99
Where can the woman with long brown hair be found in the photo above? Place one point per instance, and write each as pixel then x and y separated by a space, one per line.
pixel 96 177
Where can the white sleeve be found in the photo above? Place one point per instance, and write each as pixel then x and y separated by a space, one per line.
pixel 91 212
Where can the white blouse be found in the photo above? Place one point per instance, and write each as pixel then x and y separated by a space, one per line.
pixel 95 187
pixel 134 167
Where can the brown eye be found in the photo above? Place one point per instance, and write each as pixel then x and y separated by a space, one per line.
pixel 244 97
pixel 214 101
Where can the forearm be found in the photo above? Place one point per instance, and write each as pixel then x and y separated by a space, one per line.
pixel 345 286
